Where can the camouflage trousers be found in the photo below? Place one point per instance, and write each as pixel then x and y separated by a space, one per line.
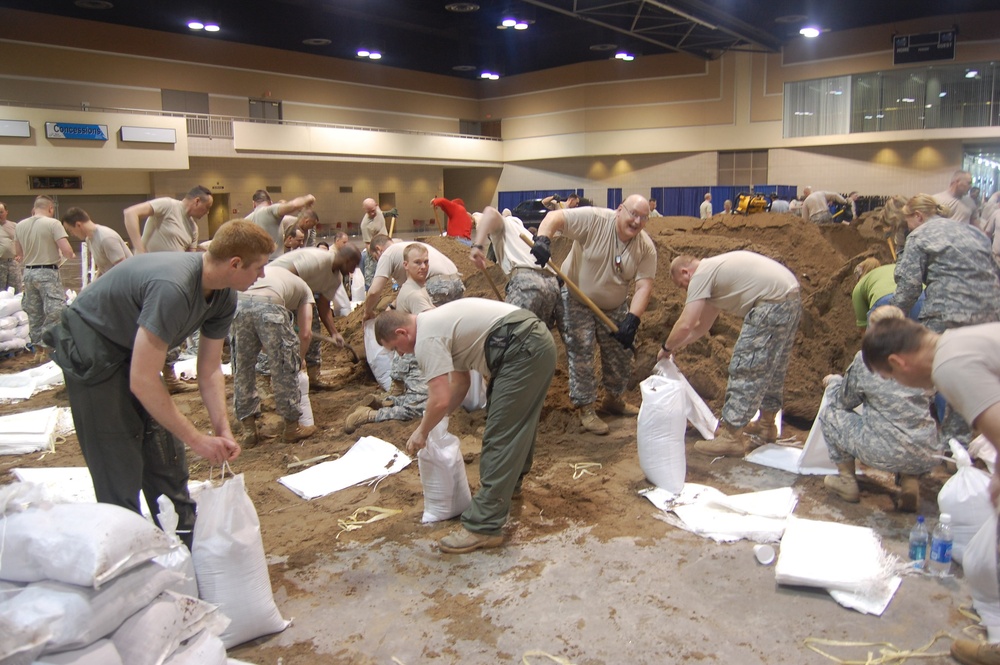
pixel 537 292
pixel 44 298
pixel 581 330
pixel 413 401
pixel 760 360
pixel 444 288
pixel 313 355
pixel 10 275
pixel 258 325
pixel 368 266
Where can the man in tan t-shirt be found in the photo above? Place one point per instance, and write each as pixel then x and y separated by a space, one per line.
pixel 103 243
pixel 10 269
pixel 268 216
pixel 765 294
pixel 443 282
pixel 611 252
pixel 171 225
pixel 40 241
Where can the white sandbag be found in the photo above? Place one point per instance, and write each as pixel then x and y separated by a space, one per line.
pixel 357 286
pixel 699 414
pixel 28 431
pixel 230 565
pixel 20 643
pixel 369 458
pixel 77 616
pixel 379 359
pixel 6 334
pixel 305 406
pixel 149 636
pixel 442 474
pixel 22 328
pixel 22 317
pixel 980 566
pixel 10 305
pixel 981 448
pixel 204 649
pixel 475 399
pixel 660 432
pixel 966 497
pixel 77 543
pixel 8 322
pixel 101 652
pixel 178 559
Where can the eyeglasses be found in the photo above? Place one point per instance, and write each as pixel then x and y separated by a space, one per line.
pixel 634 216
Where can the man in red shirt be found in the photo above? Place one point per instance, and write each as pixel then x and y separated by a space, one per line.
pixel 459 219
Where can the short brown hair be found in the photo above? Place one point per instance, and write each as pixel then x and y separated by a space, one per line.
pixel 74 216
pixel 413 247
pixel 888 337
pixel 387 322
pixel 242 239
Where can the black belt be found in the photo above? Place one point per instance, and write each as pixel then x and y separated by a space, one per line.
pixel 50 266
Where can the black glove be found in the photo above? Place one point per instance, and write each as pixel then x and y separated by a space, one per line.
pixel 542 250
pixel 627 330
pixel 556 198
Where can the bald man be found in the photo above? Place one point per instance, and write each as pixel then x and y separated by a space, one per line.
pixel 956 197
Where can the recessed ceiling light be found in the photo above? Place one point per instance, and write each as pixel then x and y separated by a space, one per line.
pixel 211 27
pixel 374 55
pixel 521 25
pixel 196 25
pixel 604 47
pixel 316 41
pixel 462 7
pixel 508 22
pixel 363 53
pixel 809 32
pixel 93 4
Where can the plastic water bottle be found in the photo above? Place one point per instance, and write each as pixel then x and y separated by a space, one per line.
pixel 918 544
pixel 940 556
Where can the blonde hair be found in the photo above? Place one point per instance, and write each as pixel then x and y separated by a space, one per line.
pixel 866 267
pixel 926 206
pixel 884 313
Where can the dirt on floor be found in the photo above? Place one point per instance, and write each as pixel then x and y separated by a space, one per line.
pixel 299 532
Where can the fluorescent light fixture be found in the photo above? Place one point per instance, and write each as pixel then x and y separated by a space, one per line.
pixel 148 135
pixel 520 25
pixel 484 75
pixel 15 128
pixel 375 55
pixel 211 27
pixel 942 94
pixel 972 73
pixel 494 77
pixel 509 22
pixel 809 31
pixel 196 25
pixel 928 106
pixel 489 75
pixel 363 53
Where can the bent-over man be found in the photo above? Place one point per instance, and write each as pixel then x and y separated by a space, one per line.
pixel 103 243
pixel 171 225
pixel 268 215
pixel 512 347
pixel 765 294
pixel 111 344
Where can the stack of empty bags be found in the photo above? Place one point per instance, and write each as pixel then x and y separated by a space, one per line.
pixel 83 583
pixel 13 322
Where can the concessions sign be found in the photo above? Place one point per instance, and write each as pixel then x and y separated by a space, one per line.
pixel 72 130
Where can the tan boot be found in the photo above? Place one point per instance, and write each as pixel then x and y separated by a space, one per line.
pixel 844 484
pixel 251 434
pixel 296 432
pixel 315 381
pixel 591 422
pixel 174 383
pixel 372 402
pixel 617 406
pixel 970 652
pixel 764 428
pixel 728 442
pixel 909 494
pixel 360 416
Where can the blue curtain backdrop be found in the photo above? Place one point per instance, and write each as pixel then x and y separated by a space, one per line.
pixel 686 201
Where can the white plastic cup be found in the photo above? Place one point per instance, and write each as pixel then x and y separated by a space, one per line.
pixel 764 554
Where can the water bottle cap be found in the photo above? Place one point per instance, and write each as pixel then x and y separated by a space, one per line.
pixel 920 519
pixel 945 518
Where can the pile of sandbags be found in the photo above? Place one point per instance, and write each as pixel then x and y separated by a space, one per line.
pixel 79 584
pixel 13 322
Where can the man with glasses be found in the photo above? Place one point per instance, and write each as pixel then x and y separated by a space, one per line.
pixel 765 294
pixel 610 252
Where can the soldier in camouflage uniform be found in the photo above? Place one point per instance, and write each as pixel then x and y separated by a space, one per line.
pixel 529 286
pixel 765 294
pixel 41 242
pixel 10 269
pixel 444 283
pixel 611 252
pixel 894 432
pixel 955 262
pixel 264 321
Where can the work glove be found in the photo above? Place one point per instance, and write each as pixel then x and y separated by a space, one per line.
pixel 627 330
pixel 542 250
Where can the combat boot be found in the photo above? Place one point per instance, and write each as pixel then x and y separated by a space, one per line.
pixel 296 432
pixel 251 433
pixel 315 380
pixel 909 493
pixel 617 406
pixel 728 442
pixel 845 483
pixel 590 421
pixel 764 428
pixel 360 416
pixel 970 652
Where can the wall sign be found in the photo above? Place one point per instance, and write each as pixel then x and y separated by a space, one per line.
pixel 928 47
pixel 15 128
pixel 73 130
pixel 55 182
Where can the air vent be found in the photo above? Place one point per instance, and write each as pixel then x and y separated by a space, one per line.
pixel 347 190
pixel 273 189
